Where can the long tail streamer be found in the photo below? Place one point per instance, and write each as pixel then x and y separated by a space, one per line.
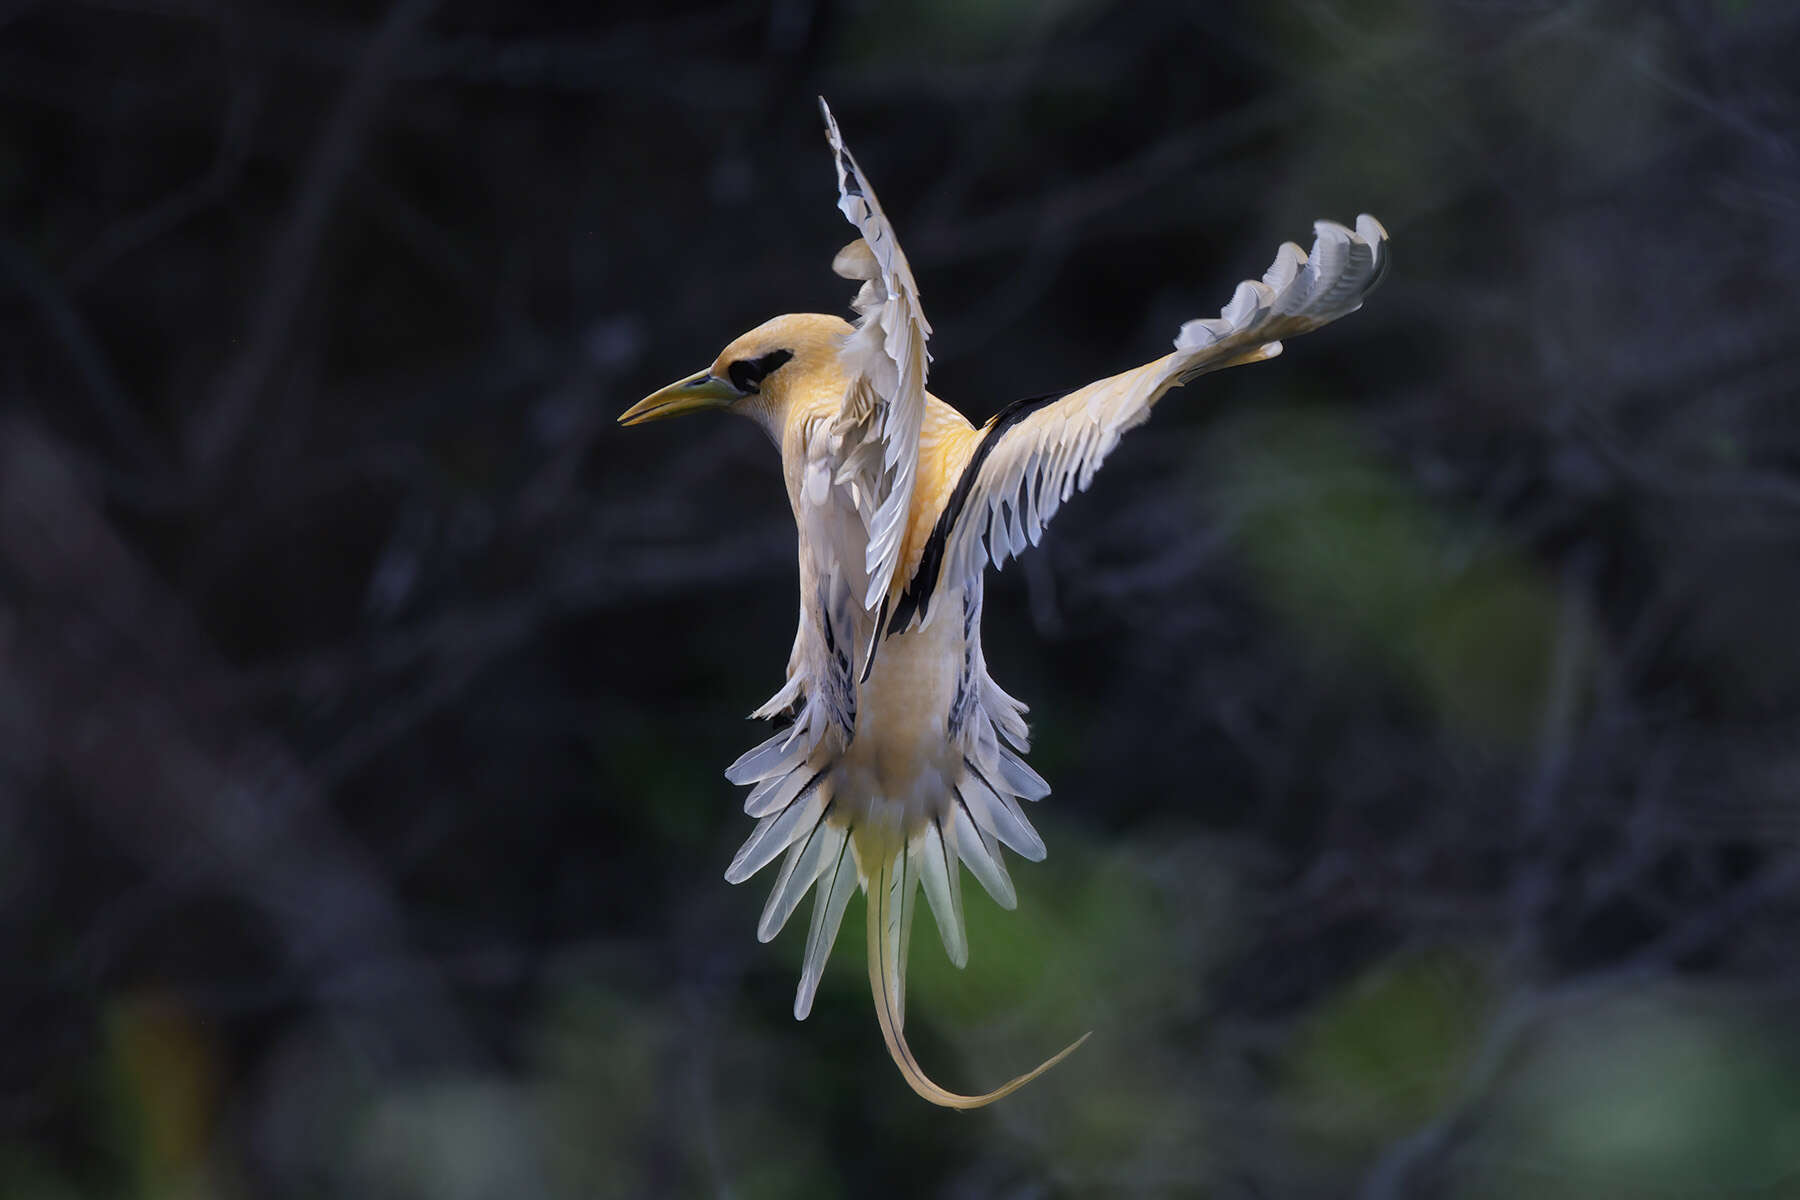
pixel 890 892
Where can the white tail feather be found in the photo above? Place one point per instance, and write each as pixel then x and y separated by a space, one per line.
pixel 889 896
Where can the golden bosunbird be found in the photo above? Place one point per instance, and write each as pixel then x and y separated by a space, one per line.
pixel 901 755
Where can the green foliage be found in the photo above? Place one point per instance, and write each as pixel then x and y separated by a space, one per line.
pixel 165 1090
pixel 1666 1092
pixel 632 1101
pixel 1376 579
pixel 1389 1049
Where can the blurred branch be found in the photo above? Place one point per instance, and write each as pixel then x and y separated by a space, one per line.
pixel 116 411
pixel 128 690
pixel 218 430
pixel 1407 1159
pixel 140 230
pixel 1085 198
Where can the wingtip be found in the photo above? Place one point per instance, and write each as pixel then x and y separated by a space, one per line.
pixel 1375 233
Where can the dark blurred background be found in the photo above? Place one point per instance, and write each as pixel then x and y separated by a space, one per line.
pixel 1423 707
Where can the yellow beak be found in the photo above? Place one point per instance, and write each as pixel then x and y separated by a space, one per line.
pixel 690 395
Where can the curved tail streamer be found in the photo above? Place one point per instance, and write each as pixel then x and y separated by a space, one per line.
pixel 890 912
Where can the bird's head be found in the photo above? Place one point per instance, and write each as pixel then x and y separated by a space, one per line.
pixel 759 375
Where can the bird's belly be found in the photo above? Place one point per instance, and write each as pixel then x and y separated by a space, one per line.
pixel 901 759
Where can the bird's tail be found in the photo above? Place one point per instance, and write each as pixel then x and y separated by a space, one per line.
pixel 890 879
pixel 839 842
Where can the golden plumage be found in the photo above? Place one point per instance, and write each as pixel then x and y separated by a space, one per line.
pixel 903 756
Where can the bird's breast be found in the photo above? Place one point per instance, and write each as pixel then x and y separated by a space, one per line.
pixel 901 749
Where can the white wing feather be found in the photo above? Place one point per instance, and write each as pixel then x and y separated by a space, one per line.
pixel 1043 459
pixel 876 435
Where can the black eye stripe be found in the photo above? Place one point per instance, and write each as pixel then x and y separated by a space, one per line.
pixel 747 373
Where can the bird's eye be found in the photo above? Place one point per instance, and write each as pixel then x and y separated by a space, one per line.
pixel 747 374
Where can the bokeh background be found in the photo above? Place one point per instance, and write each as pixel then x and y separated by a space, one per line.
pixel 1423 707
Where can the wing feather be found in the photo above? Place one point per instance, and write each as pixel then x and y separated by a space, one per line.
pixel 1037 460
pixel 877 430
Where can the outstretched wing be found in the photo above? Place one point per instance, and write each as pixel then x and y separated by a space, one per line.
pixel 877 431
pixel 1035 454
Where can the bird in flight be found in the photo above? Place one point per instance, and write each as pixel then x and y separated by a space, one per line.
pixel 901 756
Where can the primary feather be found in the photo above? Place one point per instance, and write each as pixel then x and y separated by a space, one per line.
pixel 903 757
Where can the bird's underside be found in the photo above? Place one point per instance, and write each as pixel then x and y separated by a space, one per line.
pixel 901 757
